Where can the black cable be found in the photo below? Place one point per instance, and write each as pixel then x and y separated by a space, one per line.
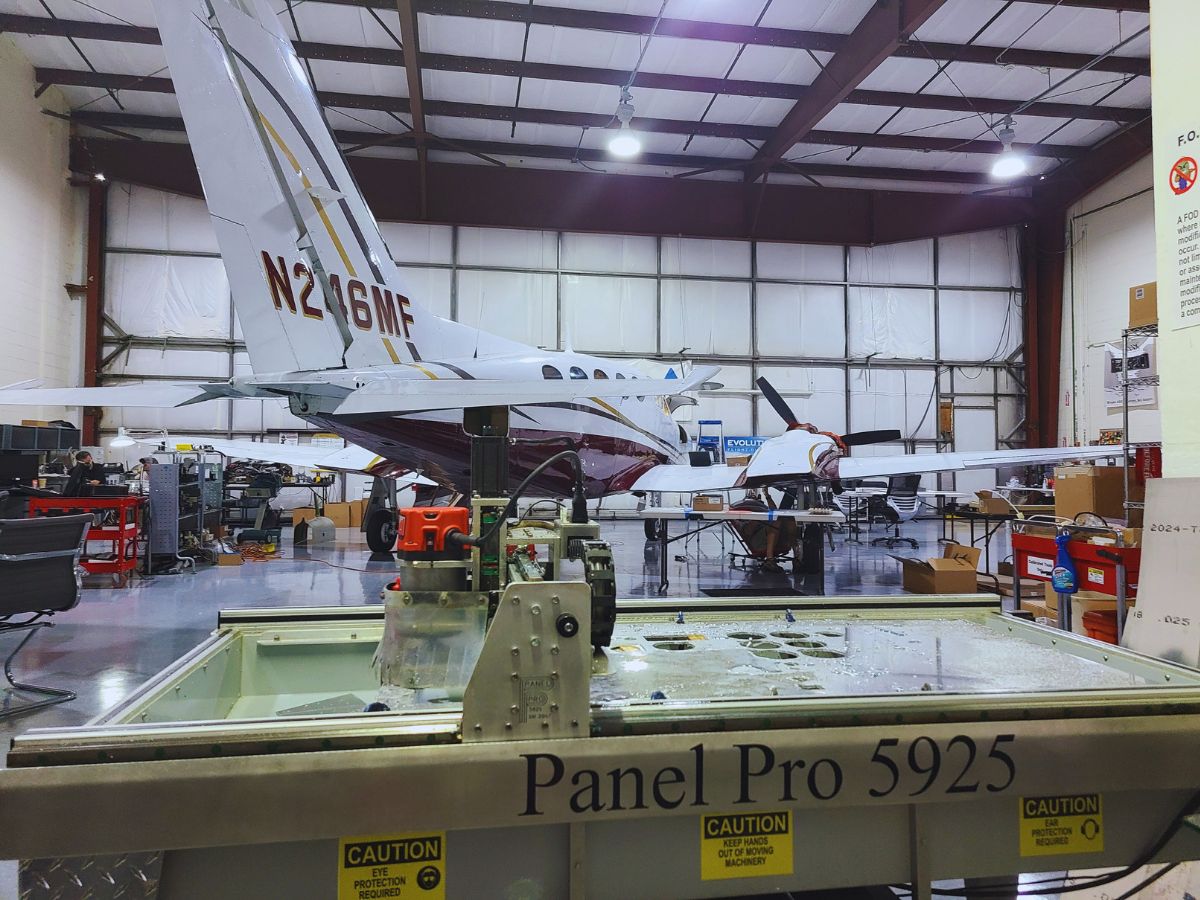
pixel 578 502
pixel 1144 859
pixel 1133 891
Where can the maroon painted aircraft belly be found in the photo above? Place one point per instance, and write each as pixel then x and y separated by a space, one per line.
pixel 442 451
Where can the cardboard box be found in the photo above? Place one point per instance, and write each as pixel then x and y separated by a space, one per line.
pixel 987 502
pixel 303 514
pixel 1030 587
pixel 952 573
pixel 737 461
pixel 36 423
pixel 708 503
pixel 229 559
pixel 1039 610
pixel 1143 305
pixel 1094 489
pixel 339 514
pixel 357 507
pixel 1080 596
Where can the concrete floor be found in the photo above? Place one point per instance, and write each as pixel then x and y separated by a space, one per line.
pixel 118 638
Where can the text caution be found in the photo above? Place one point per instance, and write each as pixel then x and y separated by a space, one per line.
pixel 1070 823
pixel 405 866
pixel 748 845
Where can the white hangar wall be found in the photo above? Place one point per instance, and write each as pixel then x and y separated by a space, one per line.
pixel 1111 249
pixel 855 338
pixel 41 241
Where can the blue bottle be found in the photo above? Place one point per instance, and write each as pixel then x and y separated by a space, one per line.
pixel 1063 576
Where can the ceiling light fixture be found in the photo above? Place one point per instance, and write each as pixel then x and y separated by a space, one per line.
pixel 122 439
pixel 625 142
pixel 1010 163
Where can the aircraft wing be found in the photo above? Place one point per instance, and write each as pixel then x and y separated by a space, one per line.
pixel 350 458
pixel 777 461
pixel 154 394
pixel 397 396
pixel 852 468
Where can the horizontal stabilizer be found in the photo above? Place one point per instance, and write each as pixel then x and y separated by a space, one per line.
pixel 350 458
pixel 146 394
pixel 397 396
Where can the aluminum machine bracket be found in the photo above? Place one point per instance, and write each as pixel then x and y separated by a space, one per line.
pixel 532 678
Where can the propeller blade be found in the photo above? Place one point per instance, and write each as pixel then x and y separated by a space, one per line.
pixel 861 438
pixel 777 402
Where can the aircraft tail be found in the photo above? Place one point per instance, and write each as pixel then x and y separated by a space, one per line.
pixel 312 279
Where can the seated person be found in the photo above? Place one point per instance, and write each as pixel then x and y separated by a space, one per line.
pixel 82 477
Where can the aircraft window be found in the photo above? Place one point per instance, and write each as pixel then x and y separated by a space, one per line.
pixel 551 373
pixel 619 375
pixel 578 373
pixel 600 373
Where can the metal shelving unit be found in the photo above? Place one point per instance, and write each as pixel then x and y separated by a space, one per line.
pixel 1128 445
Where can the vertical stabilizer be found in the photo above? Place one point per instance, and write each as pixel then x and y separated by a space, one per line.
pixel 312 279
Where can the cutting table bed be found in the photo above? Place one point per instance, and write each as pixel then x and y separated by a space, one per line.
pixel 918 727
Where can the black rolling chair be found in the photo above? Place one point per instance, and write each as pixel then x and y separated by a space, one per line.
pixel 40 576
pixel 897 506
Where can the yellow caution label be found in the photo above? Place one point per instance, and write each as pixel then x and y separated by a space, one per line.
pixel 405 866
pixel 1068 823
pixel 746 845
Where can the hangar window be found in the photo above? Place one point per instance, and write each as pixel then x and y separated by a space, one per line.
pixel 551 372
pixel 578 373
pixel 600 374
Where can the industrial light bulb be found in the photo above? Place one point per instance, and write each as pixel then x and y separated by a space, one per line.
pixel 1010 163
pixel 625 142
pixel 122 439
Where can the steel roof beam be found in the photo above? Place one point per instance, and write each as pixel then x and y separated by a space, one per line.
pixel 620 22
pixel 105 119
pixel 416 93
pixel 882 30
pixel 582 201
pixel 382 103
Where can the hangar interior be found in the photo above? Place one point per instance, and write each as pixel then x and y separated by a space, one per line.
pixel 892 274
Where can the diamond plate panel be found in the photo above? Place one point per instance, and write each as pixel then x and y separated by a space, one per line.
pixel 127 876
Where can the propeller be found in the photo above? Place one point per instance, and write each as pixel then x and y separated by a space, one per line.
pixel 853 439
pixel 777 402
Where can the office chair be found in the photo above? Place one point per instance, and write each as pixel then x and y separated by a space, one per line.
pixel 897 506
pixel 39 568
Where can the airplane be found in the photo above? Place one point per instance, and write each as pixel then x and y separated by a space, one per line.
pixel 331 328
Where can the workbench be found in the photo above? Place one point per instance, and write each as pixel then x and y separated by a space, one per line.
pixel 868 740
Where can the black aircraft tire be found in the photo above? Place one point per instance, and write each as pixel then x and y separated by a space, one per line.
pixel 381 530
pixel 652 528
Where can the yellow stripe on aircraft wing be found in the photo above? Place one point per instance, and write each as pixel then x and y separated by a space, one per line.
pixel 391 351
pixel 425 371
pixel 320 207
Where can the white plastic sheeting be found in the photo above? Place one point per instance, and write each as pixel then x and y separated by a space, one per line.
pixel 800 262
pixel 894 398
pixel 609 253
pixel 419 243
pixel 168 296
pixel 508 248
pixel 909 263
pixel 154 220
pixel 982 259
pixel 979 325
pixel 816 395
pixel 696 257
pixel 801 320
pixel 606 313
pixel 707 317
pixel 893 323
pixel 517 305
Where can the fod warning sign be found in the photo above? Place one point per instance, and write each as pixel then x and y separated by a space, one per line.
pixel 405 866
pixel 748 845
pixel 1070 823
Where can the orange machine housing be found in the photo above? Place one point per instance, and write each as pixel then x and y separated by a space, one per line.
pixel 424 529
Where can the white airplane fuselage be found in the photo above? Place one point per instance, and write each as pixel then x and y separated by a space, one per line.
pixel 618 439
